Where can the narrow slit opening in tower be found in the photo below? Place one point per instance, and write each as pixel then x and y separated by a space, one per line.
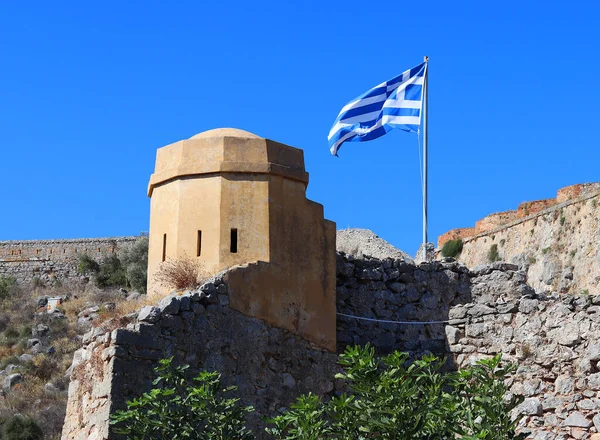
pixel 234 241
pixel 164 250
pixel 199 244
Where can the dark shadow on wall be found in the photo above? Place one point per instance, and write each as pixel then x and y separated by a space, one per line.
pixel 403 306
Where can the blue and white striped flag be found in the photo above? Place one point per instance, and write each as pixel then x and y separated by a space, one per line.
pixel 396 103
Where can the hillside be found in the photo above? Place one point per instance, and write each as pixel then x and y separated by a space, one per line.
pixel 556 241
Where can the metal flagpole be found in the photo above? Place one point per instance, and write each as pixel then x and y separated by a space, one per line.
pixel 425 127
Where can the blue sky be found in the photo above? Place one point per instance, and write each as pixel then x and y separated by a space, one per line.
pixel 89 91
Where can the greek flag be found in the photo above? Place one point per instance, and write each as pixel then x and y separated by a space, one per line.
pixel 396 103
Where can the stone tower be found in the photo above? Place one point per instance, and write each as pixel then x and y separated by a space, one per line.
pixel 229 198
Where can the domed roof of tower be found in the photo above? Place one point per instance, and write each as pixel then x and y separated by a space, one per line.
pixel 225 132
pixel 230 151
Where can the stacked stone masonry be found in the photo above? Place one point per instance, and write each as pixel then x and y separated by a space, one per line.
pixel 525 210
pixel 488 310
pixel 52 260
pixel 268 364
pixel 558 247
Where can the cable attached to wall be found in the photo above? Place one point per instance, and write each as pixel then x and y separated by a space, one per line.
pixel 393 322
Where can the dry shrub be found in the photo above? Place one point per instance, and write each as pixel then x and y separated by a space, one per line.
pixel 20 397
pixel 6 352
pixel 43 367
pixel 72 307
pixel 66 345
pixel 120 310
pixel 181 273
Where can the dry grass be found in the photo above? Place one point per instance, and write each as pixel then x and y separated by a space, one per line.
pixel 116 315
pixel 29 399
pixel 18 316
pixel 72 307
pixel 182 273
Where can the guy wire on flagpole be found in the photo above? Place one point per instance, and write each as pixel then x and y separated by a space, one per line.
pixel 425 127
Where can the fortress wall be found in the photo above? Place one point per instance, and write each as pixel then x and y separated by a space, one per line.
pixel 525 210
pixel 488 311
pixel 554 339
pixel 270 365
pixel 394 290
pixel 51 260
pixel 559 247
pixel 494 221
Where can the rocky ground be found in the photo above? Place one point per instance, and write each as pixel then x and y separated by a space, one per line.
pixel 37 346
pixel 365 243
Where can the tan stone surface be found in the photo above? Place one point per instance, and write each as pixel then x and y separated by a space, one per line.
pixel 228 179
pixel 559 244
pixel 526 209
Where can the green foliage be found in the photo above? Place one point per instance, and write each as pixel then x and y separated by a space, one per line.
pixel 36 283
pixel 546 250
pixel 493 254
pixel 6 361
pixel 128 269
pixel 21 428
pixel 135 261
pixel 483 411
pixel 562 220
pixel 183 409
pixel 87 265
pixel 111 273
pixel 25 331
pixel 452 248
pixel 391 399
pixel 6 286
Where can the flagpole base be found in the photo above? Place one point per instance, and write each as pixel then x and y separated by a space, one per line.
pixel 426 252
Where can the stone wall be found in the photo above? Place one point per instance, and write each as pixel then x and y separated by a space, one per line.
pixel 532 209
pixel 51 260
pixel 396 290
pixel 485 311
pixel 554 339
pixel 269 365
pixel 559 247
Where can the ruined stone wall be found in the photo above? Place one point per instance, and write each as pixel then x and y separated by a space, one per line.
pixel 558 247
pixel 554 339
pixel 535 208
pixel 470 315
pixel 395 290
pixel 271 366
pixel 51 260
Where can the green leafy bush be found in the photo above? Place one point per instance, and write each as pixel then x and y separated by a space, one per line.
pixel 389 398
pixel 87 265
pixel 135 261
pixel 128 269
pixel 452 248
pixel 36 283
pixel 6 286
pixel 21 428
pixel 493 254
pixel 111 273
pixel 181 408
